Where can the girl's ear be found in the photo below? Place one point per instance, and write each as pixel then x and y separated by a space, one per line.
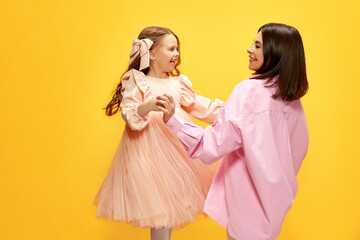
pixel 152 55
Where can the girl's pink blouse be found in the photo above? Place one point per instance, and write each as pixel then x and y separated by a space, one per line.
pixel 263 142
pixel 136 90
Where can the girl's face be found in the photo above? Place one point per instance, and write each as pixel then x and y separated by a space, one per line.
pixel 165 55
pixel 256 53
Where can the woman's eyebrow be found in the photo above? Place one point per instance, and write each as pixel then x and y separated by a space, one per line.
pixel 256 41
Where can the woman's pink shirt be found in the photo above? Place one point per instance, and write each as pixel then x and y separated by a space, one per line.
pixel 262 142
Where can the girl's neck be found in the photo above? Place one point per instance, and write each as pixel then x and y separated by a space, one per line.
pixel 156 74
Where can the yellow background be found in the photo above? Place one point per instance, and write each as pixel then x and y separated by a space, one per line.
pixel 60 60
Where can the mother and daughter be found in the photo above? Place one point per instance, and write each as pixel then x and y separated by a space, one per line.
pixel 260 133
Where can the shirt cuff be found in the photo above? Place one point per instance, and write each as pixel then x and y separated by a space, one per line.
pixel 175 123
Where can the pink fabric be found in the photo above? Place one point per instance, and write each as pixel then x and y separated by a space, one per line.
pixel 263 142
pixel 151 181
pixel 142 48
pixel 137 89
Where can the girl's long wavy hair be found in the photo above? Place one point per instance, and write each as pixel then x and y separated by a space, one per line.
pixel 284 61
pixel 155 34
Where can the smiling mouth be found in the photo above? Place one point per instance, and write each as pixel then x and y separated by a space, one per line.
pixel 252 59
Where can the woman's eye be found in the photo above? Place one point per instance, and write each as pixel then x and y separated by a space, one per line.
pixel 257 46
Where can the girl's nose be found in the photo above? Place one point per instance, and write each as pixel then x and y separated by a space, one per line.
pixel 250 50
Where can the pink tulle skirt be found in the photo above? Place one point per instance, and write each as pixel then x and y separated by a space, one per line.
pixel 151 181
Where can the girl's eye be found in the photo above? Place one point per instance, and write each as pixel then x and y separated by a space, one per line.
pixel 257 46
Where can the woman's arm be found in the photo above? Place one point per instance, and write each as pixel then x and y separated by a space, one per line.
pixel 211 143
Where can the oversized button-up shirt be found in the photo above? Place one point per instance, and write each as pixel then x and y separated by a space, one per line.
pixel 263 142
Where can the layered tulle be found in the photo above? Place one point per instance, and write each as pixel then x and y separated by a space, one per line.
pixel 151 181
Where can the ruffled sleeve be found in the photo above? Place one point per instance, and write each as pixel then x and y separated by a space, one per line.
pixel 134 91
pixel 198 106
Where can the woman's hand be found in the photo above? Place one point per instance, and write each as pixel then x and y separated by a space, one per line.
pixel 147 107
pixel 167 106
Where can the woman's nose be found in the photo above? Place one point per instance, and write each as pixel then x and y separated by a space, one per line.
pixel 250 50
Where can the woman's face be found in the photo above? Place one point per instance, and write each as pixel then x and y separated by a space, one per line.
pixel 256 53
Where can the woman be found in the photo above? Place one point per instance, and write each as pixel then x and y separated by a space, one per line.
pixel 262 135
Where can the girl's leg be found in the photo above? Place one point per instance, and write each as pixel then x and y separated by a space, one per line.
pixel 170 232
pixel 160 234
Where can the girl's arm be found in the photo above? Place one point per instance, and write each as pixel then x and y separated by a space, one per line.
pixel 134 109
pixel 213 142
pixel 198 106
pixel 144 108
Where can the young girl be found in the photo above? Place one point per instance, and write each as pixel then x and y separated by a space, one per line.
pixel 262 133
pixel 151 181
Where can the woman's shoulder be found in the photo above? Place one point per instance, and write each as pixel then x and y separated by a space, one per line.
pixel 257 95
pixel 247 94
pixel 249 86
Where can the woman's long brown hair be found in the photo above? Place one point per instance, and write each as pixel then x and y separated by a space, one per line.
pixel 284 61
pixel 155 34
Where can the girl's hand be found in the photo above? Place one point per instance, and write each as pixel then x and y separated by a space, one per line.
pixel 167 106
pixel 147 107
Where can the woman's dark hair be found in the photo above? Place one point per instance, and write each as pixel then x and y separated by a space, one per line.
pixel 284 61
pixel 155 34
